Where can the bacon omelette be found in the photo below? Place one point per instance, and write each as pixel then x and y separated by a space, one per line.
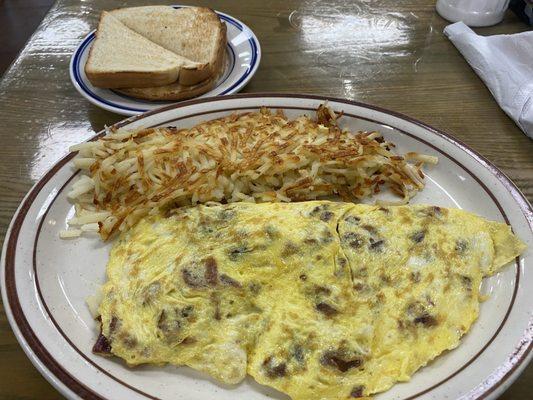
pixel 320 300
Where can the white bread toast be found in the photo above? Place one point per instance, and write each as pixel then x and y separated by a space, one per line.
pixel 175 91
pixel 195 33
pixel 114 59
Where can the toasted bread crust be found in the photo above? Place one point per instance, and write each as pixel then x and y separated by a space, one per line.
pixel 170 92
pixel 221 39
pixel 193 75
pixel 114 80
pixel 117 79
pixel 175 91
pixel 218 65
pixel 193 78
pixel 205 17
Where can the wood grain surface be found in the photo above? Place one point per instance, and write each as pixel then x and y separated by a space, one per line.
pixel 388 53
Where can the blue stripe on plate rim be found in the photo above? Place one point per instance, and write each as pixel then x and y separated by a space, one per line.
pixel 75 65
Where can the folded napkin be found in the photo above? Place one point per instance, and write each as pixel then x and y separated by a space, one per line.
pixel 505 64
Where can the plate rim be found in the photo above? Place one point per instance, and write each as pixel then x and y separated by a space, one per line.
pixel 520 200
pixel 240 81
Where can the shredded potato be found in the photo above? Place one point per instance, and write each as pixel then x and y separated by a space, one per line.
pixel 255 157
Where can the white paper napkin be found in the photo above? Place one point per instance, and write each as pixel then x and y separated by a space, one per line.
pixel 505 64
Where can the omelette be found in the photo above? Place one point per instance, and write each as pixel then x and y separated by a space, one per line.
pixel 319 299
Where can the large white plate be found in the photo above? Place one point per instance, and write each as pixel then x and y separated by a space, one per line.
pixel 243 54
pixel 45 280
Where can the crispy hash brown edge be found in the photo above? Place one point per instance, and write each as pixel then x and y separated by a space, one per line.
pixel 255 157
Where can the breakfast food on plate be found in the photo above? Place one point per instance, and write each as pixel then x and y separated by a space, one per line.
pixel 256 156
pixel 114 60
pixel 158 52
pixel 320 300
pixel 192 32
pixel 174 91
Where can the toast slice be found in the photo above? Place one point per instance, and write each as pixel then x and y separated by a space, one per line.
pixel 176 91
pixel 196 33
pixel 114 59
pixel 173 92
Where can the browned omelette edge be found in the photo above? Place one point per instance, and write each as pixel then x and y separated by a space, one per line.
pixel 73 384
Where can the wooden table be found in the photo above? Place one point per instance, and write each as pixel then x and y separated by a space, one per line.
pixel 389 53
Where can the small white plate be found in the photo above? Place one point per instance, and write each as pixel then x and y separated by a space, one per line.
pixel 45 280
pixel 243 54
